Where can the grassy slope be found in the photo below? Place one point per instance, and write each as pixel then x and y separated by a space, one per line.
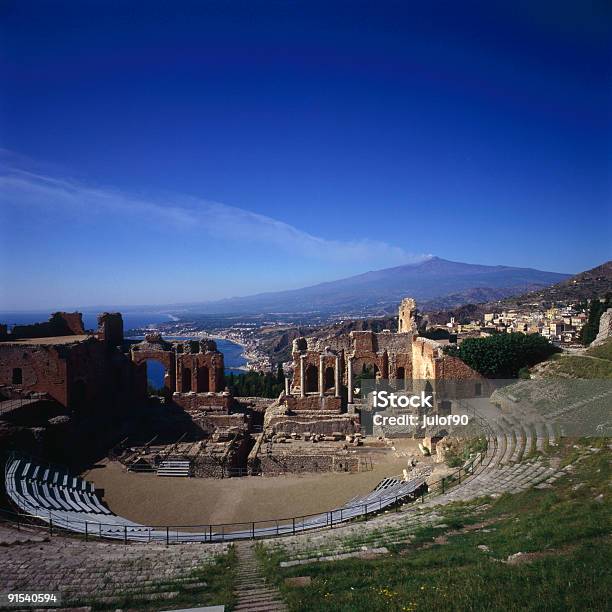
pixel 595 363
pixel 567 530
pixel 603 351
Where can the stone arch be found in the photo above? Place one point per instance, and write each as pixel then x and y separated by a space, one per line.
pixel 166 358
pixel 156 370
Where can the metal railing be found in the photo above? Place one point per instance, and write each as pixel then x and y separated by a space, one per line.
pixel 55 524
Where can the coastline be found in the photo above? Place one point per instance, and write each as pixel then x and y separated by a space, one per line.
pixel 245 353
pixel 249 350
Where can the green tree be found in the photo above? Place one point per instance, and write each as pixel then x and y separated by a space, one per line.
pixel 255 384
pixel 503 355
pixel 280 374
pixel 591 327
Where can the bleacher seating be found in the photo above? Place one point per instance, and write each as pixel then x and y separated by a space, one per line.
pixel 68 502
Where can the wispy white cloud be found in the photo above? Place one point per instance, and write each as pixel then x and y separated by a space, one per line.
pixel 34 190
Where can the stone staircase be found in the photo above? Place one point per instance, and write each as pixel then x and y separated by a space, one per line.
pixel 100 573
pixel 174 467
pixel 252 591
pixel 517 439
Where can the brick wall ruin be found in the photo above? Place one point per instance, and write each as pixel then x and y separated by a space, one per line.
pixel 59 324
pixel 190 366
pixel 90 384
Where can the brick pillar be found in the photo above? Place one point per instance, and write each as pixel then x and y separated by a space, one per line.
pixel 337 376
pixel 302 377
pixel 350 379
pixel 321 375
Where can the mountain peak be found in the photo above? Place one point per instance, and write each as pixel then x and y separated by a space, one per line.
pixel 381 290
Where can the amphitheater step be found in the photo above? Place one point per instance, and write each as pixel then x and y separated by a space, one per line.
pixel 174 468
pixel 252 591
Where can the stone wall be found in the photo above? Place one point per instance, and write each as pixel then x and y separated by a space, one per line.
pixel 92 386
pixel 35 368
pixel 424 355
pixel 345 424
pixel 209 423
pixel 452 368
pixel 80 375
pixel 605 328
pixel 110 328
pixel 301 463
pixel 210 402
pixel 406 319
pixel 313 403
pixel 59 324
pixel 231 461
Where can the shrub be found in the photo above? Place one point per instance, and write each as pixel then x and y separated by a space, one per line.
pixel 503 355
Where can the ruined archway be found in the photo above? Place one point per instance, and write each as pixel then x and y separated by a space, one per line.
pixel 155 348
pixel 156 376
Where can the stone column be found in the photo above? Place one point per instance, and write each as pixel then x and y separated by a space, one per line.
pixel 194 374
pixel 350 379
pixel 337 377
pixel 302 376
pixel 321 375
pixel 287 386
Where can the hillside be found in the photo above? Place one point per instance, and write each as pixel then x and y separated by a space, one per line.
pixel 593 363
pixel 378 292
pixel 276 341
pixel 596 282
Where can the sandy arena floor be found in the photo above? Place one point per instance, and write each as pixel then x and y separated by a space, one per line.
pixel 154 500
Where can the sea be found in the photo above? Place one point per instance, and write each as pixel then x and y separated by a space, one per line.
pixel 232 352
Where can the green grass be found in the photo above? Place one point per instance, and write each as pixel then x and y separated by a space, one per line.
pixel 470 449
pixel 603 351
pixel 584 366
pixel 577 366
pixel 566 530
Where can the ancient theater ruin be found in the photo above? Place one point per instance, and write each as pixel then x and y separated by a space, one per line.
pixel 71 395
pixel 316 424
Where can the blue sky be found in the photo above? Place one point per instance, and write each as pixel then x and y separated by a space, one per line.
pixel 167 152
